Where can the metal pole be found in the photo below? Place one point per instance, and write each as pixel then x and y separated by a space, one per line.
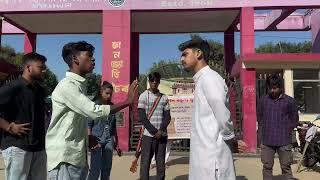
pixel 303 153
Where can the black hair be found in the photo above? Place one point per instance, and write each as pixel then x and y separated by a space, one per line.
pixel 73 48
pixel 31 57
pixel 197 43
pixel 154 75
pixel 275 80
pixel 106 85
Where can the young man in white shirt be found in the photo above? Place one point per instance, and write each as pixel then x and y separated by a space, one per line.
pixel 210 156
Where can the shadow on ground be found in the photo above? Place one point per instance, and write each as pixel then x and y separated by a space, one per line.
pixel 281 177
pixel 181 160
pixel 185 177
pixel 241 178
pixel 182 177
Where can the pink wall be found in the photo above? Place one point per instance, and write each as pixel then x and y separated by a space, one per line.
pixel 0 30
pixel 282 57
pixel 56 5
pixel 30 40
pixel 116 62
pixel 7 28
pixel 248 80
pixel 315 24
pixel 293 22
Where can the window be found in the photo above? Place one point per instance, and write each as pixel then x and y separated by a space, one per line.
pixel 307 90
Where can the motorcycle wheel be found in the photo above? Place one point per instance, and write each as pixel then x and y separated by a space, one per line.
pixel 309 161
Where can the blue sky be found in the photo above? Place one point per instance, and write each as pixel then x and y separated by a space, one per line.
pixel 153 47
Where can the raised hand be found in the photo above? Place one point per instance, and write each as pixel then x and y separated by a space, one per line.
pixel 133 89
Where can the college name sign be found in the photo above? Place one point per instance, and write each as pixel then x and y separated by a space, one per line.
pixel 56 5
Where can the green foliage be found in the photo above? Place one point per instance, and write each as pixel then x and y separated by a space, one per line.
pixel 142 83
pixel 173 69
pixel 93 83
pixel 9 55
pixel 50 82
pixel 168 69
pixel 285 47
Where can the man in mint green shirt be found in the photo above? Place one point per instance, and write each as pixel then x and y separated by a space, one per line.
pixel 66 139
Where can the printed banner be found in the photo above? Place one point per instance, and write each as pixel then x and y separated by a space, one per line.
pixel 181 108
pixel 180 94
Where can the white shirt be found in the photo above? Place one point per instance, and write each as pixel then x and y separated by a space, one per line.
pixel 146 100
pixel 210 157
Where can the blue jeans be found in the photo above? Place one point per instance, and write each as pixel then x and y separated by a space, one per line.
pixel 66 171
pixel 101 161
pixel 24 165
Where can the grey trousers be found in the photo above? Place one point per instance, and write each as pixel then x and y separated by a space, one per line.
pixel 149 147
pixel 285 158
pixel 66 171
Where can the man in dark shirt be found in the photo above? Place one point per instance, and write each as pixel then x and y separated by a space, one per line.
pixel 277 117
pixel 22 108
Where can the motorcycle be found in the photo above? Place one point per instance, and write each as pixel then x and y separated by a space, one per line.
pixel 309 136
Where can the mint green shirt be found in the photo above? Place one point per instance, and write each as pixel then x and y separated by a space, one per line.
pixel 66 139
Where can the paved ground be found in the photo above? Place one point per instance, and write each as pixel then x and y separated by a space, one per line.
pixel 248 168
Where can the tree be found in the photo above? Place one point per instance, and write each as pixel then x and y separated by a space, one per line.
pixel 93 83
pixel 9 55
pixel 142 83
pixel 168 69
pixel 173 68
pixel 285 47
pixel 50 82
